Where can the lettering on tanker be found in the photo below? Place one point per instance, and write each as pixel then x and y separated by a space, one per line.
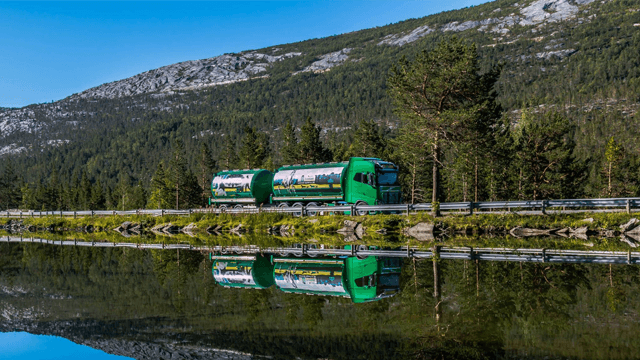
pixel 229 184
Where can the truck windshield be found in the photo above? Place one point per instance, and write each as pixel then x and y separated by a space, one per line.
pixel 388 177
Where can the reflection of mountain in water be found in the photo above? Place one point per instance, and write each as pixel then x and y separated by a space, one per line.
pixel 164 304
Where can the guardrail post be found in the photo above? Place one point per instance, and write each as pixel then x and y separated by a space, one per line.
pixel 353 210
pixel 303 213
pixel 408 209
pixel 162 212
pixel 75 215
pixel 628 206
pixel 544 207
pixel 471 208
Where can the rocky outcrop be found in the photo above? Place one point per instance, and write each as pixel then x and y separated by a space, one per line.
pixel 327 61
pixel 421 231
pixel 189 75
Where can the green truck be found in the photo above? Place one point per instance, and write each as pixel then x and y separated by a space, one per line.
pixel 360 181
pixel 362 280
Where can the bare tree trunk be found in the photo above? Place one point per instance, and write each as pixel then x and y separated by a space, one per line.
pixel 476 180
pixel 609 176
pixel 436 170
pixel 436 286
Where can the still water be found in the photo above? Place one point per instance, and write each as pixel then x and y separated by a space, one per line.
pixel 173 304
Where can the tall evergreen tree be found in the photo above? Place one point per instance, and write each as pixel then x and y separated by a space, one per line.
pixel 160 190
pixel 255 148
pixel 367 140
pixel 310 148
pixel 177 173
pixel 229 156
pixel 289 144
pixel 9 187
pixel 546 167
pixel 206 167
pixel 442 93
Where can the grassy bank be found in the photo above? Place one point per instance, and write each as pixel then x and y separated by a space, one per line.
pixel 324 224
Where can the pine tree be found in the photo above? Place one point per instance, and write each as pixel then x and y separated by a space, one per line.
pixel 442 94
pixel 546 167
pixel 9 187
pixel 310 149
pixel 229 156
pixel 177 173
pixel 367 140
pixel 289 144
pixel 160 190
pixel 207 165
pixel 255 148
pixel 613 153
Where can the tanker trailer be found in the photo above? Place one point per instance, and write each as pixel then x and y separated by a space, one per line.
pixel 360 181
pixel 251 271
pixel 361 280
pixel 241 187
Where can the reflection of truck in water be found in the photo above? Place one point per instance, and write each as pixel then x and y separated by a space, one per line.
pixel 360 181
pixel 362 280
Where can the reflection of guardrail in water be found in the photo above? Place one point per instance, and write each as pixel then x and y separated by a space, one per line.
pixel 445 253
pixel 523 207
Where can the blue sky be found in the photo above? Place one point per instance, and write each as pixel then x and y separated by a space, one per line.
pixel 50 50
pixel 25 346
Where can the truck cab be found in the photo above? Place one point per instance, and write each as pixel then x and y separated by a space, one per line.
pixel 372 181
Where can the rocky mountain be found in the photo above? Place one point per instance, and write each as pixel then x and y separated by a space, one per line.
pixel 553 54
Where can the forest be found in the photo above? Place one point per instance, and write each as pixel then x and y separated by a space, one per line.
pixel 526 128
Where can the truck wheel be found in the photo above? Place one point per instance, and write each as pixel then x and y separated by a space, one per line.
pixel 297 213
pixel 361 212
pixel 312 213
pixel 283 206
pixel 362 248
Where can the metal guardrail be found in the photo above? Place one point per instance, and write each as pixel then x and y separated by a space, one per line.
pixel 445 253
pixel 529 206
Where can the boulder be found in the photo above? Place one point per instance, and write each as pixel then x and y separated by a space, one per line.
pixel 519 231
pixel 630 225
pixel 421 231
pixel 359 231
pixel 581 230
pixel 349 227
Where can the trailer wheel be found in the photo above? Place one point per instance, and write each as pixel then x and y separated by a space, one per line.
pixel 223 208
pixel 297 213
pixel 283 206
pixel 238 207
pixel 361 212
pixel 312 213
pixel 362 248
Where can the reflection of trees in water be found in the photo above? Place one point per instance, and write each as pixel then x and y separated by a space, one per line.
pixel 487 307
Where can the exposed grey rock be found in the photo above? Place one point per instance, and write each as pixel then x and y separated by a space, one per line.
pixel 189 75
pixel 327 61
pixel 400 39
pixel 580 230
pixel 560 54
pixel 189 229
pixel 359 231
pixel 631 224
pixel 526 232
pixel 238 229
pixel 421 231
pixel 349 227
pixel 630 241
pixel 589 220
